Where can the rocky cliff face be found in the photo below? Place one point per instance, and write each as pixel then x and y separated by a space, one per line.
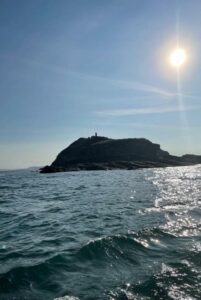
pixel 100 153
pixel 101 149
pixel 191 158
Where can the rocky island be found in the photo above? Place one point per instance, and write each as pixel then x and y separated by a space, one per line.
pixel 102 153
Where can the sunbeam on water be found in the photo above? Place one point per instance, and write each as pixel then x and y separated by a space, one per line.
pixel 101 234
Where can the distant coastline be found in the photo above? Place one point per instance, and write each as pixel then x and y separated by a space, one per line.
pixel 102 153
pixel 20 169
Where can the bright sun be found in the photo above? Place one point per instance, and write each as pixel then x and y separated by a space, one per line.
pixel 178 57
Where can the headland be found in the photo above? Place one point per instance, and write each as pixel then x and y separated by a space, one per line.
pixel 102 153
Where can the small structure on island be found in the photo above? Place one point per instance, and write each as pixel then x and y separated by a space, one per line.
pixel 93 136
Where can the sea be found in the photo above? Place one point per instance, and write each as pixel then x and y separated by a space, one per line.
pixel 93 235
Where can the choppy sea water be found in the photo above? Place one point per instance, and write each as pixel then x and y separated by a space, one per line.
pixel 101 235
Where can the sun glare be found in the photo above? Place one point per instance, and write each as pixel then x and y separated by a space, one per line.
pixel 178 57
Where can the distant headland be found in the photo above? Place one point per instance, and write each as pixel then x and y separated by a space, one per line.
pixel 102 153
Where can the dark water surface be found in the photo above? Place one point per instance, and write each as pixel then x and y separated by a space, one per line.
pixel 101 235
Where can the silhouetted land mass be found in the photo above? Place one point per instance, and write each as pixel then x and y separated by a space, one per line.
pixel 102 153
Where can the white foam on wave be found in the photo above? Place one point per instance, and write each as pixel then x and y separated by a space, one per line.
pixel 67 298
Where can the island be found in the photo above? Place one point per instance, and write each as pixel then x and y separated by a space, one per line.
pixel 102 153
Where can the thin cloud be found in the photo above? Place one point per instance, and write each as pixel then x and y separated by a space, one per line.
pixel 143 111
pixel 129 85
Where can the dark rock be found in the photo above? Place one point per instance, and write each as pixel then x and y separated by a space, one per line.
pixel 191 158
pixel 101 153
pixel 47 169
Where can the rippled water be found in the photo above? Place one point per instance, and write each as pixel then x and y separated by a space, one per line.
pixel 101 235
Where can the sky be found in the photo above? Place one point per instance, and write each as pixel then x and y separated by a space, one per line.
pixel 70 68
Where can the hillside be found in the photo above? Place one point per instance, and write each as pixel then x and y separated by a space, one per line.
pixel 102 153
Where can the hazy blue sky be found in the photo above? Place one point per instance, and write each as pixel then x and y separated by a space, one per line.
pixel 69 68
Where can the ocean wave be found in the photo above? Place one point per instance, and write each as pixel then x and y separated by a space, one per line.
pixel 67 298
pixel 117 235
pixel 130 247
